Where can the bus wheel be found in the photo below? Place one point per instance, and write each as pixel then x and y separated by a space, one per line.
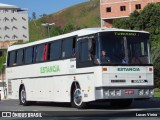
pixel 22 97
pixel 121 103
pixel 77 99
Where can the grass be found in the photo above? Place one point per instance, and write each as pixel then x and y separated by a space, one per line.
pixel 82 15
pixel 157 92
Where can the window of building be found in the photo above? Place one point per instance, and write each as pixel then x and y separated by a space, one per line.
pixel 28 55
pixel 6 36
pixel 108 9
pixel 122 8
pixel 5 19
pixel 24 27
pixel 55 50
pixel 14 27
pixel 24 36
pixel 14 37
pixel 138 6
pixel 20 57
pixel 5 11
pixel 23 18
pixel 13 19
pixel 6 28
pixel 67 48
pixel 13 11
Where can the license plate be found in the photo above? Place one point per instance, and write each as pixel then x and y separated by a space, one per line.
pixel 129 91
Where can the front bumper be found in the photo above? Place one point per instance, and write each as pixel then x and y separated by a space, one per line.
pixel 123 92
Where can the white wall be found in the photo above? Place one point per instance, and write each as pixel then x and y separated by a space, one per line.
pixel 14 19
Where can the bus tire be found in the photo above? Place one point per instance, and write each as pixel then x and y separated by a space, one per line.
pixel 122 103
pixel 22 97
pixel 77 101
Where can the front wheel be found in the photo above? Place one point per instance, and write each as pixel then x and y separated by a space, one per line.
pixel 22 97
pixel 77 99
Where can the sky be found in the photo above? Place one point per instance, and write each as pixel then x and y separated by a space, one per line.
pixel 42 6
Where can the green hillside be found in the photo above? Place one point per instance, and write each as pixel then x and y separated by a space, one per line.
pixel 76 17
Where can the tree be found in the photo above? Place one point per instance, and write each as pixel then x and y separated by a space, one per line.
pixel 33 15
pixel 43 15
pixel 2 60
pixel 69 27
pixel 121 23
pixel 56 30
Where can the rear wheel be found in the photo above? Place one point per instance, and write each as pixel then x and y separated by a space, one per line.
pixel 77 99
pixel 22 97
pixel 124 103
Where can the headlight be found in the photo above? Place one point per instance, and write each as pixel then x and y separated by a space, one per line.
pixel 118 92
pixel 106 93
pixel 140 92
pixel 152 92
pixel 112 92
pixel 146 92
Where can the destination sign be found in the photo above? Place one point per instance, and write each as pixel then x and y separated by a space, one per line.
pixel 125 33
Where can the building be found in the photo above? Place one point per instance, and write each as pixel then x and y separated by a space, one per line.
pixel 13 27
pixel 113 9
pixel 13 24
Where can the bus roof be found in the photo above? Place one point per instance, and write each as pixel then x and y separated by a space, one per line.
pixel 82 32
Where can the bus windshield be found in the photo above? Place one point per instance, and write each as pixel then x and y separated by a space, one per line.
pixel 123 48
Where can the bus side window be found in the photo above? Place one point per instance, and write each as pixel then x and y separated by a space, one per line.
pixel 12 57
pixel 20 57
pixel 73 48
pixel 55 50
pixel 34 54
pixel 48 52
pixel 85 51
pixel 15 59
pixel 28 55
pixel 92 48
pixel 45 54
pixel 68 48
pixel 40 53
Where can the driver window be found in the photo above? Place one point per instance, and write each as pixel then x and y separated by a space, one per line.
pixel 84 51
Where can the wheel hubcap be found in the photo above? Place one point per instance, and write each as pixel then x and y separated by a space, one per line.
pixel 78 97
pixel 23 96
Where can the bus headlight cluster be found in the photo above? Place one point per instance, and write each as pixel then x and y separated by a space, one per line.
pixel 141 92
pixel 151 92
pixel 145 92
pixel 118 92
pixel 113 93
pixel 106 93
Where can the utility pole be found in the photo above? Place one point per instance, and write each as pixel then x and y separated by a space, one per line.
pixel 48 26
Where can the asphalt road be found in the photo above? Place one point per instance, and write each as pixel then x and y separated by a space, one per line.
pixel 95 110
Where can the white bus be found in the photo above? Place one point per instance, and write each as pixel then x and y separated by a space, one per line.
pixel 87 65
